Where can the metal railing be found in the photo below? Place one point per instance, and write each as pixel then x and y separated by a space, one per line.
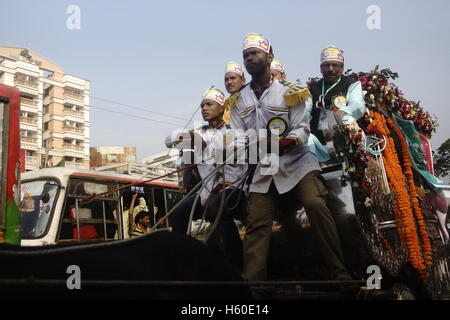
pixel 73 129
pixel 31 160
pixel 26 83
pixel 73 96
pixel 73 147
pixel 27 101
pixel 75 165
pixel 28 139
pixel 28 120
pixel 73 112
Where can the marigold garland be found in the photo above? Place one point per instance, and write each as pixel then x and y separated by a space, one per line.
pixel 406 207
pixel 414 196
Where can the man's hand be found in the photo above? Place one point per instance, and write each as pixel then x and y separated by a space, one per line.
pixel 287 144
pixel 187 139
pixel 340 114
pixel 195 136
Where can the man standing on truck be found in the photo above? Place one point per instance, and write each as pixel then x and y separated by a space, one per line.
pixel 277 70
pixel 265 104
pixel 234 81
pixel 336 92
pixel 225 182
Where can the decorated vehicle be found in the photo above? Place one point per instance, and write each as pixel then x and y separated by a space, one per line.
pixel 385 167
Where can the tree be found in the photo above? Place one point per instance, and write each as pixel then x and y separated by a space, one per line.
pixel 442 159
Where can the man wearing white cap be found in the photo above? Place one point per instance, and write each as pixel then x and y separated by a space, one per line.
pixel 337 92
pixel 269 105
pixel 234 81
pixel 277 70
pixel 226 180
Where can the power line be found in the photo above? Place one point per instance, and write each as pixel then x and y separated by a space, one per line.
pixel 138 108
pixel 134 116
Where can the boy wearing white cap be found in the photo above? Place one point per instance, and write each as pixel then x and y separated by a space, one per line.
pixel 226 180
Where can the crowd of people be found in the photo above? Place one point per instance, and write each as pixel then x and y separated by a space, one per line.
pixel 248 191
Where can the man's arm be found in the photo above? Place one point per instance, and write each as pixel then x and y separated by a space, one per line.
pixel 356 107
pixel 130 211
pixel 299 123
pixel 308 108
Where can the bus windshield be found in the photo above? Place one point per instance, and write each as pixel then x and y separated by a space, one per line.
pixel 36 205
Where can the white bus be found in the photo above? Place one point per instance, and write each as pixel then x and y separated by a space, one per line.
pixel 53 208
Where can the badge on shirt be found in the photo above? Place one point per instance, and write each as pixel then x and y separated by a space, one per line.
pixel 339 101
pixel 277 126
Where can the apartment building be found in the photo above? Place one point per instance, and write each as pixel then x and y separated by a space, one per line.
pixel 54 118
pixel 110 156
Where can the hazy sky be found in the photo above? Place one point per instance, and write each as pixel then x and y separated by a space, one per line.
pixel 161 55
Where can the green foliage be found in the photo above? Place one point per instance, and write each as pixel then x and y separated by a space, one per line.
pixel 442 160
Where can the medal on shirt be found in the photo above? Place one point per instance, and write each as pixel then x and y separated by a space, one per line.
pixel 339 101
pixel 277 126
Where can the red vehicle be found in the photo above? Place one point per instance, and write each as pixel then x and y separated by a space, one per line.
pixel 10 165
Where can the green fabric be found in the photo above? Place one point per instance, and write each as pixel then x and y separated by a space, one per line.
pixel 415 144
pixel 12 232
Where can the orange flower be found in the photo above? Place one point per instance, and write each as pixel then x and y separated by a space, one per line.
pixel 406 208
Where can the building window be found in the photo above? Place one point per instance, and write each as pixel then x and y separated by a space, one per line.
pixel 73 90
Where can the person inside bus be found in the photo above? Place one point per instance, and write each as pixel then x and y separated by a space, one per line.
pixel 87 230
pixel 142 206
pixel 141 224
pixel 226 181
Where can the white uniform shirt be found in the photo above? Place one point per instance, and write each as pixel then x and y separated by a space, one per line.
pixel 253 113
pixel 230 174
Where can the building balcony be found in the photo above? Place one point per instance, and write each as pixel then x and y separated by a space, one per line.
pixel 69 146
pixel 26 83
pixel 28 120
pixel 29 102
pixel 73 96
pixel 79 131
pixel 31 140
pixel 31 166
pixel 31 160
pixel 76 165
pixel 74 113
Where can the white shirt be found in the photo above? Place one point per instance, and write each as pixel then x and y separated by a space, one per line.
pixel 253 113
pixel 211 157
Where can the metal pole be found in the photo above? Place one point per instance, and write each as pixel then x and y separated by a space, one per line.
pixel 104 220
pixel 78 219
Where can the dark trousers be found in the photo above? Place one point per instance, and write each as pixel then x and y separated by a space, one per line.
pixel 225 236
pixel 310 193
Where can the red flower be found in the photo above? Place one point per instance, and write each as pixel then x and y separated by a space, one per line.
pixel 363 80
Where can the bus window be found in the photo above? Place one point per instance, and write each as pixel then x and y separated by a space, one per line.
pixel 36 206
pixel 144 202
pixel 160 204
pixel 165 200
pixel 172 198
pixel 90 221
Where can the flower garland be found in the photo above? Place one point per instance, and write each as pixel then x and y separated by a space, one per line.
pixel 355 153
pixel 406 208
pixel 379 93
pixel 414 196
